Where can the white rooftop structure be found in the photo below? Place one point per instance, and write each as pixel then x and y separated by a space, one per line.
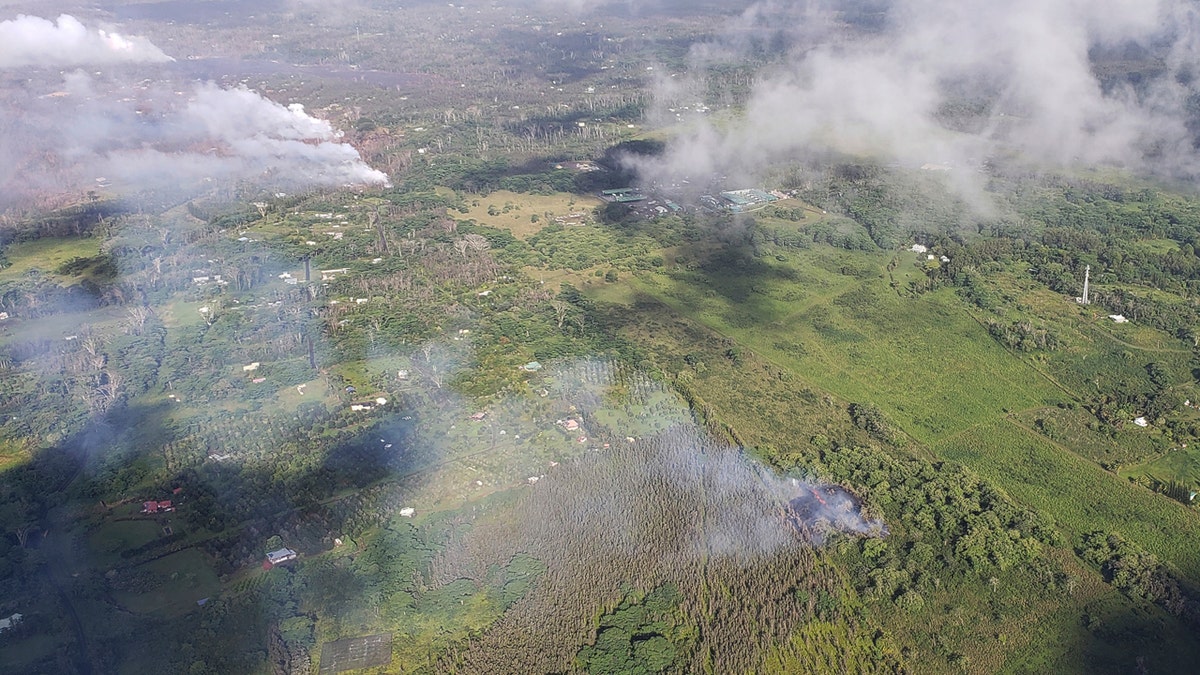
pixel 11 621
pixel 280 556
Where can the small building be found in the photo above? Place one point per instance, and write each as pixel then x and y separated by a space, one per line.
pixel 531 367
pixel 571 425
pixel 361 406
pixel 478 417
pixel 252 367
pixel 919 248
pixel 408 512
pixel 1141 422
pixel 1118 318
pixel 281 556
pixel 622 195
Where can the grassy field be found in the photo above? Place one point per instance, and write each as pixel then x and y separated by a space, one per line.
pixel 828 318
pixel 108 540
pixel 512 211
pixel 1179 464
pixel 12 453
pixel 45 255
pixel 1080 495
pixel 783 413
pixel 189 578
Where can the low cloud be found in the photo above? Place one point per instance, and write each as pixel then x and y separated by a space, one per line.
pixel 34 41
pixel 954 84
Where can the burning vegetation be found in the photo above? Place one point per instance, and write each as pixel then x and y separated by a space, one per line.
pixel 818 509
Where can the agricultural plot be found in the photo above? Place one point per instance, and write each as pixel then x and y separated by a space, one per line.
pixel 1178 464
pixel 1078 430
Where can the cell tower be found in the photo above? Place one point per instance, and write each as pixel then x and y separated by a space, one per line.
pixel 1087 273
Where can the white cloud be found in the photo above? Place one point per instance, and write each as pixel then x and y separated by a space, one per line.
pixel 1026 65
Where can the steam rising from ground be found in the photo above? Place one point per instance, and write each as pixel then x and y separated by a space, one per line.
pixel 1023 70
pixel 33 41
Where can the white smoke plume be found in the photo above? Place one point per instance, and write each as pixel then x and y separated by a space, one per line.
pixel 152 139
pixel 34 41
pixel 248 137
pixel 1025 66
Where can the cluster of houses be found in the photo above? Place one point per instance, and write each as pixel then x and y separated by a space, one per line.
pixel 157 507
pixel 205 278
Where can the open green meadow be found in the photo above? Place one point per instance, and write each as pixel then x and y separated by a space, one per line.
pixel 44 256
pixel 829 317
pixel 526 214
pixel 172 585
pixel 1078 494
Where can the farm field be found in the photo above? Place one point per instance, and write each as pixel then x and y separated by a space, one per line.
pixel 111 538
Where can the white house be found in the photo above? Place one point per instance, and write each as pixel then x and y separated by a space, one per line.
pixel 1141 422
pixel 281 556
pixel 252 366
pixel 1117 318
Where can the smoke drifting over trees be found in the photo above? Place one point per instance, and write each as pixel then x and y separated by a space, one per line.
pixel 34 41
pixel 62 135
pixel 928 82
